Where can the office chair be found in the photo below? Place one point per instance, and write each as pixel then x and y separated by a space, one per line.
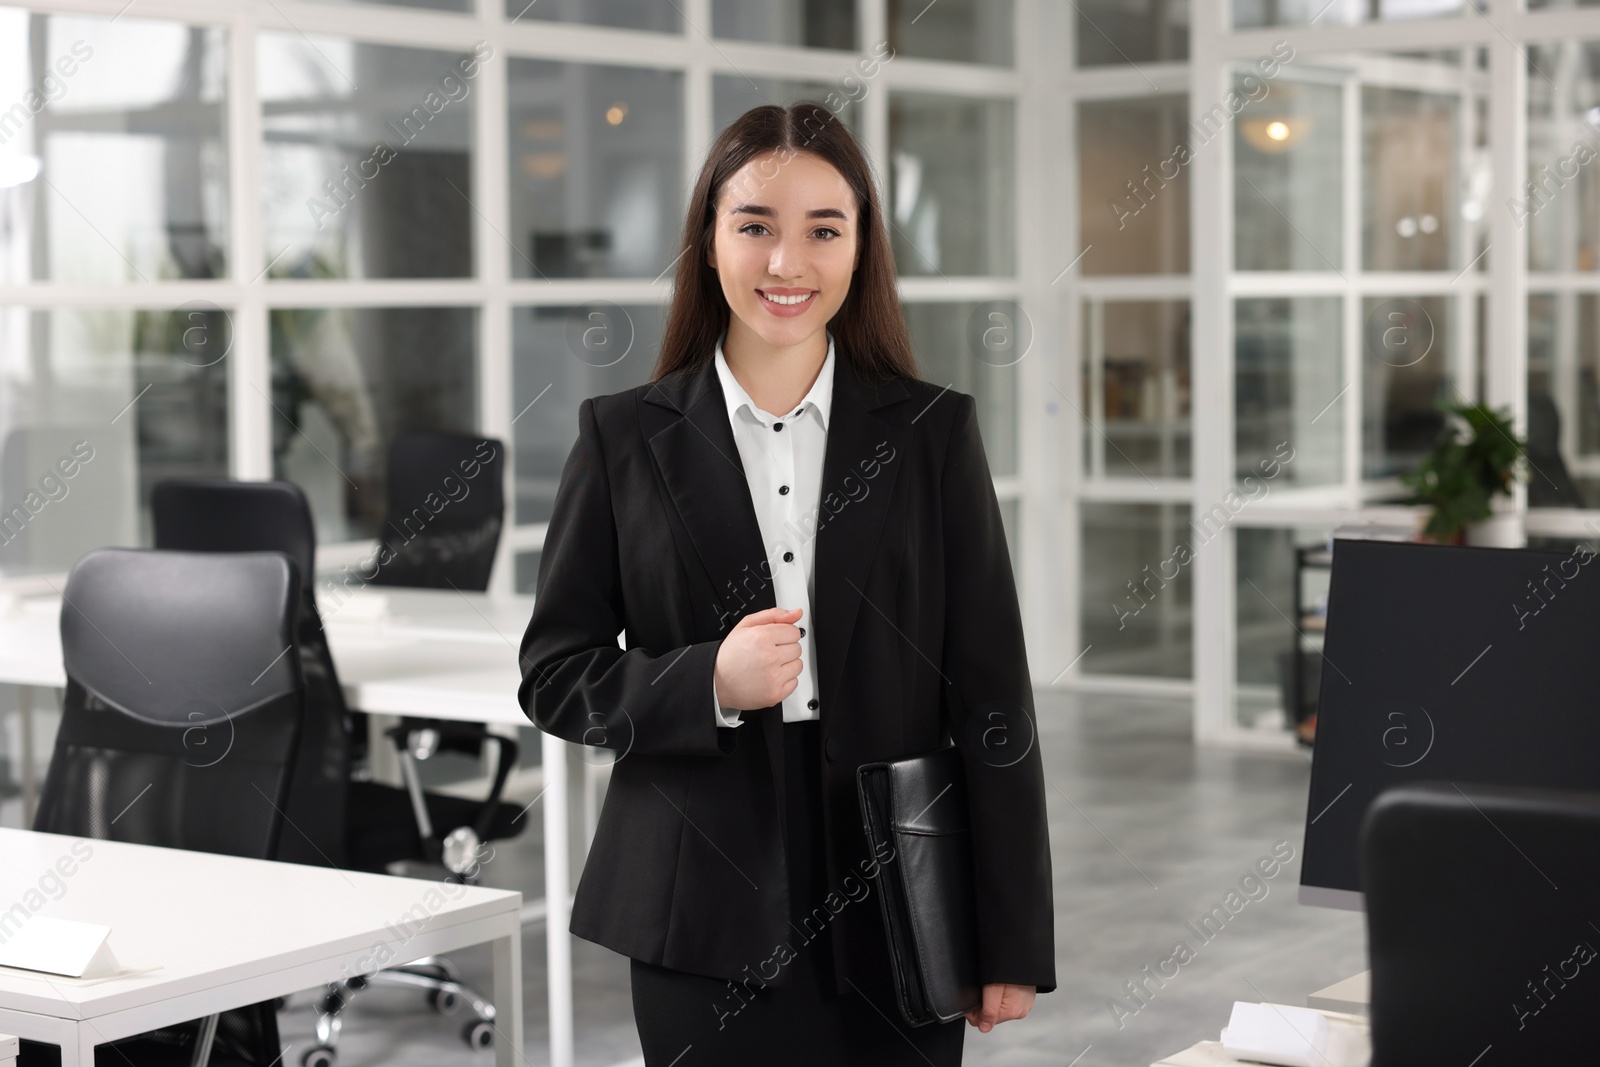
pixel 179 727
pixel 377 824
pixel 1550 485
pixel 446 506
pixel 1480 923
pixel 213 514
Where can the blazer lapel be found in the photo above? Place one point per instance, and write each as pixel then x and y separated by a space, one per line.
pixel 700 463
pixel 704 474
pixel 862 461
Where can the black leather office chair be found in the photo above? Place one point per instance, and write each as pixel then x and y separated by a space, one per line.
pixel 1481 923
pixel 179 727
pixel 214 514
pixel 378 824
pixel 446 506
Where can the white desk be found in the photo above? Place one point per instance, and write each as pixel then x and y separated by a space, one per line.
pixel 438 653
pixel 1345 1004
pixel 222 932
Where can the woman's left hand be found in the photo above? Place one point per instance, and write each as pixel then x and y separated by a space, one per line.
pixel 1001 1002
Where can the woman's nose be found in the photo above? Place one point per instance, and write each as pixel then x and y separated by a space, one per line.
pixel 787 261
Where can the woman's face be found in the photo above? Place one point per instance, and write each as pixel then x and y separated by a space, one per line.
pixel 785 229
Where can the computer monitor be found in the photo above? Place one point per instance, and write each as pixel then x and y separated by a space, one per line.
pixel 1455 664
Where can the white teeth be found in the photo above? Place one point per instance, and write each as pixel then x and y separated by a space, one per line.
pixel 787 299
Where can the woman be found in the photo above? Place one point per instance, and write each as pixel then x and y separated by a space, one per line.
pixel 802 542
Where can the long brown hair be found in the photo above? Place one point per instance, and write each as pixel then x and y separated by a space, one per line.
pixel 869 329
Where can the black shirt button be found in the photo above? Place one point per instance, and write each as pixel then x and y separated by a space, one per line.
pixel 788 557
pixel 812 703
pixel 802 631
pixel 783 490
pixel 777 426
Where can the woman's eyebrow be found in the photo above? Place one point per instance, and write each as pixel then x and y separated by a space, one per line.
pixel 767 212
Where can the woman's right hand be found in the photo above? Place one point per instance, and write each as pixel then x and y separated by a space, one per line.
pixel 758 663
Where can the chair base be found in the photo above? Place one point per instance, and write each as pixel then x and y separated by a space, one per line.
pixel 436 976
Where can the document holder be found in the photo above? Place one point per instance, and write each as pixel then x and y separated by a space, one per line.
pixel 917 806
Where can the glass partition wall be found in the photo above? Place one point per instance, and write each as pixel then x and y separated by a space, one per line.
pixel 1207 267
pixel 1302 227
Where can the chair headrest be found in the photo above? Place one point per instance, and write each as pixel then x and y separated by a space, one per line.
pixel 181 638
pixel 221 515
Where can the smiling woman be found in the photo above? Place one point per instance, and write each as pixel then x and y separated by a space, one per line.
pixel 771 651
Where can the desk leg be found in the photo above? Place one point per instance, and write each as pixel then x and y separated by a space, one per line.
pixel 30 778
pixel 508 997
pixel 558 939
pixel 78 1051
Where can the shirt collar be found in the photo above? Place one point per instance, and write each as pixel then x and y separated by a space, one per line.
pixel 819 398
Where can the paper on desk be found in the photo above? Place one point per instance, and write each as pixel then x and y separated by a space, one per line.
pixel 60 946
pixel 1277 1034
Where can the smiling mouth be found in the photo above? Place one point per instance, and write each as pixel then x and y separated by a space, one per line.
pixel 786 301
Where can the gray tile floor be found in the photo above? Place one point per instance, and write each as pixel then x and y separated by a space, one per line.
pixel 1148 833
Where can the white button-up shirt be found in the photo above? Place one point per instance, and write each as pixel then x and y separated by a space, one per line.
pixel 782 458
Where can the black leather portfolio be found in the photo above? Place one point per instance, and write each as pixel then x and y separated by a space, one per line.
pixel 917 806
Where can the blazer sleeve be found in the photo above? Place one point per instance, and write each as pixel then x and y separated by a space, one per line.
pixel 985 664
pixel 576 682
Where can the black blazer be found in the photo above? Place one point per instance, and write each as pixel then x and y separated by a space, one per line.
pixel 918 641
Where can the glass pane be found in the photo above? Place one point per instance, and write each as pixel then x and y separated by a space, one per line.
pixel 967 31
pixel 660 15
pixel 1271 565
pixel 1408 351
pixel 1561 202
pixel 1250 13
pixel 561 356
pixel 808 23
pixel 954 167
pixel 96 406
pixel 1289 389
pixel 366 165
pixel 1132 31
pixel 596 158
pixel 1133 185
pixel 1136 388
pixel 1564 400
pixel 732 96
pixel 975 348
pixel 1137 607
pixel 113 158
pixel 1287 187
pixel 345 381
pixel 1410 184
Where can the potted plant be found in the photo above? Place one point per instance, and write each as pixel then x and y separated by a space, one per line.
pixel 1475 460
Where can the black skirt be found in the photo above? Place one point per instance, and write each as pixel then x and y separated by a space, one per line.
pixel 690 1020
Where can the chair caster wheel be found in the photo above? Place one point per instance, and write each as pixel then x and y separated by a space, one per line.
pixel 317 1056
pixel 478 1034
pixel 443 1001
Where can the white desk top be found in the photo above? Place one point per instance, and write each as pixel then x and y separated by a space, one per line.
pixel 439 653
pixel 204 920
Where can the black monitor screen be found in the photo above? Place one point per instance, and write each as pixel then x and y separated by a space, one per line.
pixel 1454 664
